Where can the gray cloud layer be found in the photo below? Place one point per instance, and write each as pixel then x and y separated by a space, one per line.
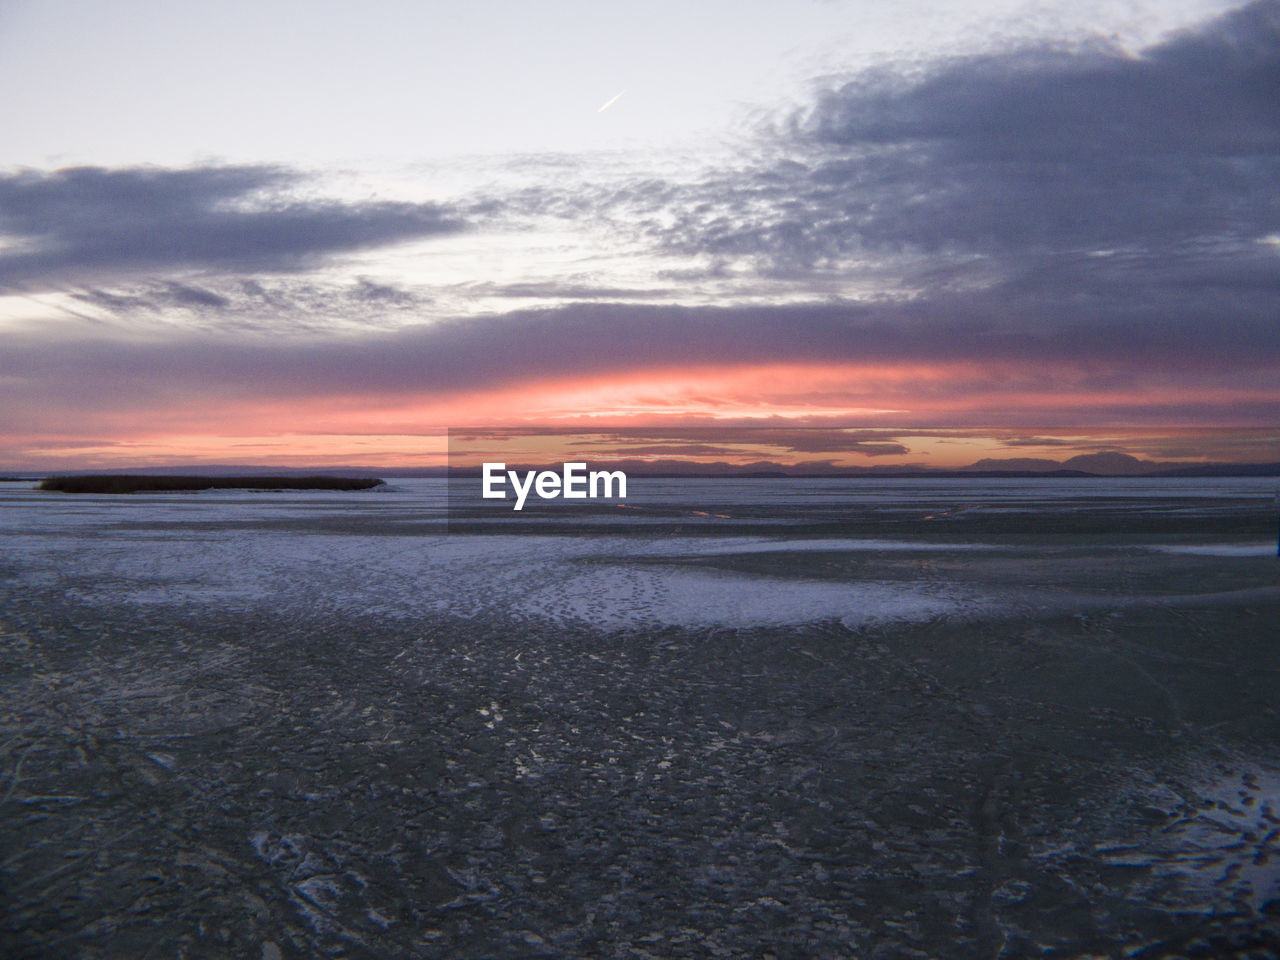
pixel 522 348
pixel 1034 151
pixel 1048 202
pixel 76 224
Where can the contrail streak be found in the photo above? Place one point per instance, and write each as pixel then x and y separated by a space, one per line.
pixel 611 102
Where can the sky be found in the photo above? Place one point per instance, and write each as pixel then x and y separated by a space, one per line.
pixel 810 231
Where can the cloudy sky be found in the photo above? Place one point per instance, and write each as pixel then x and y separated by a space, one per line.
pixel 921 232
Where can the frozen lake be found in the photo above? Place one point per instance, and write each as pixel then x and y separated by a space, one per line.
pixel 652 562
pixel 963 718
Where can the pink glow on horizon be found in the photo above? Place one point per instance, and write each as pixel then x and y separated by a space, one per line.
pixel 399 429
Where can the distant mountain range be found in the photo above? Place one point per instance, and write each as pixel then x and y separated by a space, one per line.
pixel 1085 465
pixel 1099 464
pixel 1124 465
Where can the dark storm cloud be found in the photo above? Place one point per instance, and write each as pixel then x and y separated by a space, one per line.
pixel 1032 151
pixel 77 223
pixel 1080 197
pixel 1041 203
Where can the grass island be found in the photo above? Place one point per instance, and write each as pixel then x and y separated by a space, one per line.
pixel 163 484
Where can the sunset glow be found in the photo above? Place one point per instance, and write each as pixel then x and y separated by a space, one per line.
pixel 909 249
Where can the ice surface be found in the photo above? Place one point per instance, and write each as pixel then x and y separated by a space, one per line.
pixel 705 546
pixel 1220 549
pixel 1027 770
pixel 384 553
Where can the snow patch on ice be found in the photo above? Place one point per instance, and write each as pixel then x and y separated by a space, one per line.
pixel 629 596
pixel 1229 848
